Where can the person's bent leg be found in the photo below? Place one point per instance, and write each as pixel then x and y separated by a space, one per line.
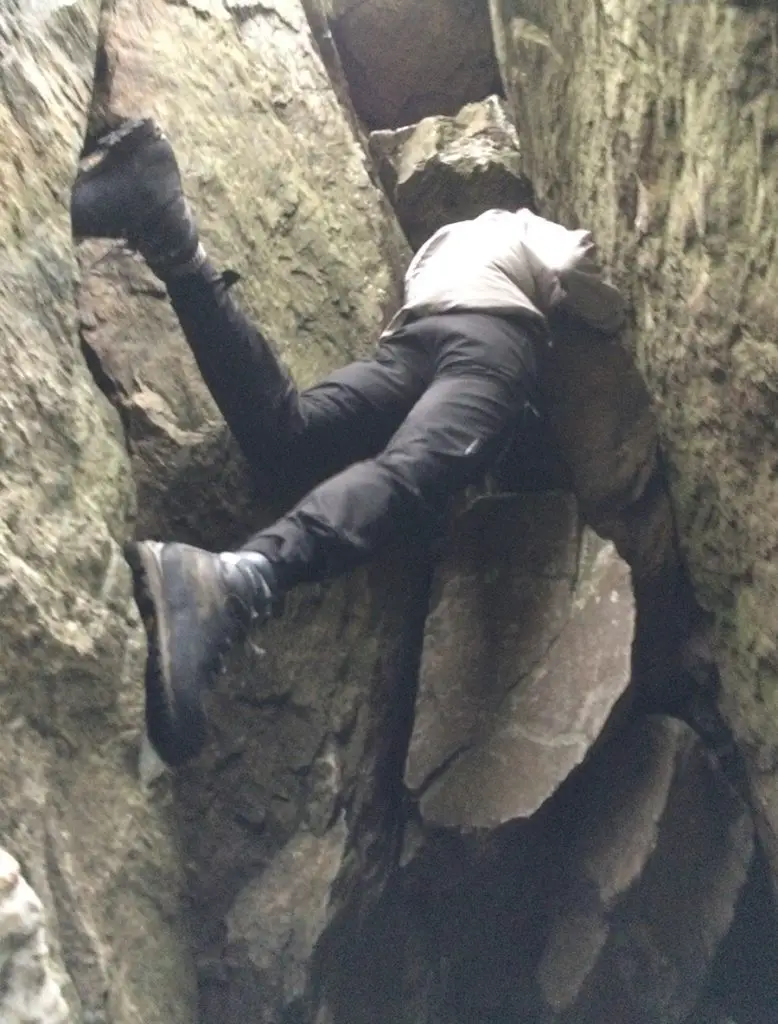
pixel 450 437
pixel 294 439
pixel 130 187
pixel 195 604
pixel 486 376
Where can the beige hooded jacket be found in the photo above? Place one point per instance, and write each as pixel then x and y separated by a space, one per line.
pixel 514 263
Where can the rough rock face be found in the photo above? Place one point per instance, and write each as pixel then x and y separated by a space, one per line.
pixel 451 168
pixel 532 873
pixel 476 757
pixel 544 619
pixel 408 59
pixel 291 818
pixel 293 812
pixel 669 159
pixel 97 850
pixel 30 992
pixel 603 428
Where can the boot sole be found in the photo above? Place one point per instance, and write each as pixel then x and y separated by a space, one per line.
pixel 120 143
pixel 112 150
pixel 174 740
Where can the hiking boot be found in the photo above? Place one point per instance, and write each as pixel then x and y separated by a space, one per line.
pixel 194 606
pixel 130 188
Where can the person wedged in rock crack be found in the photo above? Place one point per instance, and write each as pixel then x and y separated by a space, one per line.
pixel 392 437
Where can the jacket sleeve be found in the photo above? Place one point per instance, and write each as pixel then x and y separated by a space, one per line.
pixel 571 276
pixel 586 293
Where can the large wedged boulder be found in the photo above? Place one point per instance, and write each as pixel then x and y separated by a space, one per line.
pixel 674 173
pixel 292 815
pixel 527 650
pixel 445 169
pixel 96 848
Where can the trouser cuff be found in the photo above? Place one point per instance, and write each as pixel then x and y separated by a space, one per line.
pixel 199 267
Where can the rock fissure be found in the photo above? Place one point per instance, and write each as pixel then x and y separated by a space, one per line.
pixel 441 769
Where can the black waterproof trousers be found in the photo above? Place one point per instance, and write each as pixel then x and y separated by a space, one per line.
pixel 387 440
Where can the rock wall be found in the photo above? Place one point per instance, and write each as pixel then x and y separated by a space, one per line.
pixel 598 435
pixel 292 815
pixel 578 915
pixel 98 850
pixel 655 126
pixel 282 195
pixel 494 739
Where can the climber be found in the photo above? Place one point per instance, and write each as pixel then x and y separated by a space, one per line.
pixel 386 440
